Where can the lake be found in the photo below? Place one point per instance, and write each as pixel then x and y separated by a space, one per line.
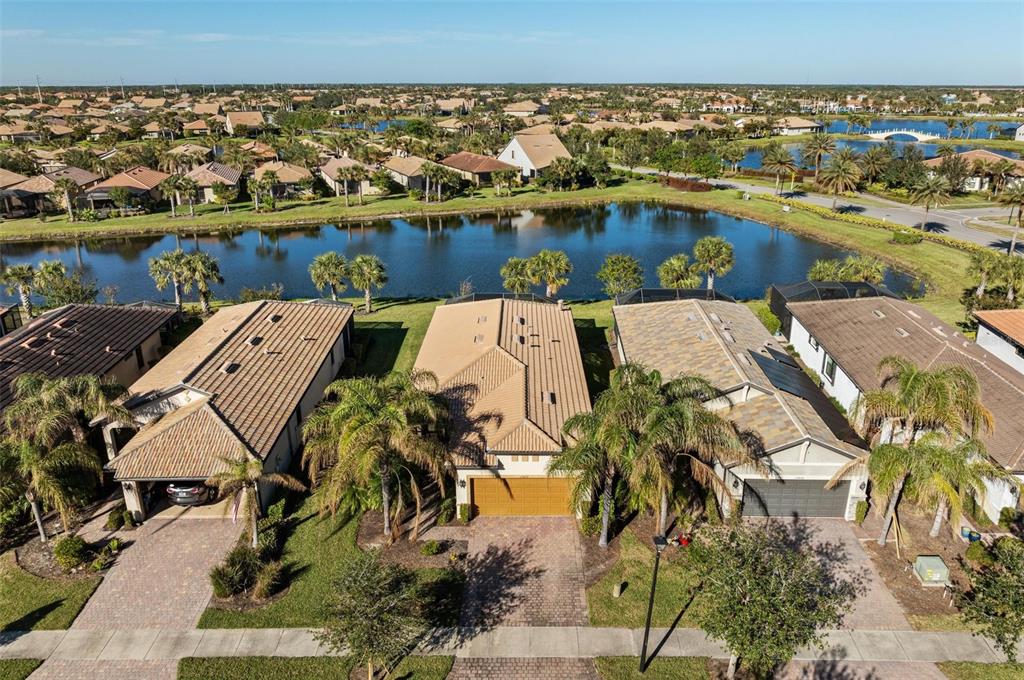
pixel 431 257
pixel 979 129
pixel 929 149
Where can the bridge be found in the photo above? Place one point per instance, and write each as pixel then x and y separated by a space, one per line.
pixel 916 134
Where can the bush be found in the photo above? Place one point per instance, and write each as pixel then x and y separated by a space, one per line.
pixel 978 554
pixel 446 512
pixel 238 573
pixel 431 548
pixel 128 519
pixel 416 194
pixel 861 512
pixel 89 215
pixel 274 291
pixel 269 540
pixel 222 582
pixel 464 512
pixel 1009 517
pixel 907 238
pixel 70 552
pixel 590 525
pixel 12 516
pixel 768 318
pixel 275 512
pixel 115 520
pixel 711 508
pixel 268 580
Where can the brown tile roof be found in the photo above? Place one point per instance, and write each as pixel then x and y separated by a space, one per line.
pixel 77 340
pixel 331 167
pixel 287 173
pixel 475 163
pixel 522 107
pixel 214 173
pixel 259 150
pixel 210 109
pixel 139 177
pixel 980 155
pixel 251 119
pixel 542 150
pixel 410 166
pixel 499 361
pixel 198 124
pixel 277 347
pixel 8 178
pixel 189 147
pixel 153 102
pixel 859 333
pixel 1008 322
pixel 41 184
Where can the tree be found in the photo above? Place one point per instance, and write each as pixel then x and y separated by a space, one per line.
pixel 714 256
pixel 60 288
pixel 1014 197
pixel 734 153
pixel 503 180
pixel 563 171
pixel 168 269
pixel 169 188
pixel 121 196
pixel 932 191
pixel 65 191
pixel 366 273
pixel 995 602
pixel 241 480
pixel 839 176
pixel 20 278
pixel 328 270
pixel 551 268
pixel 816 148
pixel 779 162
pixel 874 162
pixel 200 270
pixel 372 426
pixel 46 409
pixel 984 265
pixel 676 272
pixel 375 609
pixel 225 194
pixel 829 269
pixel 765 595
pixel 342 178
pixel 853 268
pixel 187 187
pixel 359 174
pixel 620 273
pixel 515 274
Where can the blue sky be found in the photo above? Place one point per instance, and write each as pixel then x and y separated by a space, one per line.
pixel 151 41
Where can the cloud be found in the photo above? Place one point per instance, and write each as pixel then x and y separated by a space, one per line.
pixel 21 33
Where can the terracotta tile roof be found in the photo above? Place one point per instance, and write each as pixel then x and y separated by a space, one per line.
pixel 859 333
pixel 210 109
pixel 331 167
pixel 251 119
pixel 41 184
pixel 980 155
pixel 287 173
pixel 1008 322
pixel 542 150
pixel 199 124
pixel 139 177
pixel 76 340
pixel 189 147
pixel 214 173
pixel 8 178
pixel 522 107
pixel 153 102
pixel 409 166
pixel 259 150
pixel 475 163
pixel 499 362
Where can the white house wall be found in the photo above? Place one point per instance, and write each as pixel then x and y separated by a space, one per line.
pixel 842 388
pixel 513 154
pixel 1000 347
pixel 999 495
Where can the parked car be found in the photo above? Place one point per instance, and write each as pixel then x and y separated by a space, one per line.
pixel 188 493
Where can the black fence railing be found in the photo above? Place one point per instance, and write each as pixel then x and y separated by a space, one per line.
pixel 477 297
pixel 642 295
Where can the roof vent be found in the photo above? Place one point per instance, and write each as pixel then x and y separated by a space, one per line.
pixel 547 397
pixel 744 358
pixel 521 339
pixel 481 319
pixel 701 337
pixel 902 332
pixel 229 367
pixel 914 314
pixel 728 336
pixel 938 331
pixel 34 342
pixel 714 317
pixel 478 339
pixel 274 318
pixel 254 340
pixel 521 320
pixel 691 317
pixel 879 313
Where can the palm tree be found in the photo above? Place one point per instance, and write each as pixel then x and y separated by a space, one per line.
pixel 839 176
pixel 734 153
pixel 46 409
pixel 329 270
pixel 187 187
pixel 366 273
pixel 676 272
pixel 550 267
pixel 503 180
pixel 241 482
pixel 933 190
pixel 874 162
pixel 42 475
pixel 863 268
pixel 168 268
pixel 817 147
pixel 778 161
pixel 515 274
pixel 370 426
pixel 359 174
pixel 714 256
pixel 342 178
pixel 826 270
pixel 67 189
pixel 984 264
pixel 169 188
pixel 1014 197
pixel 20 278
pixel 1011 271
pixel 200 270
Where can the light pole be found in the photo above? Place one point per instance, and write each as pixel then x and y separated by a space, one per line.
pixel 660 543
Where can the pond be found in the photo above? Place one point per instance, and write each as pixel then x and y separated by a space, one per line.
pixel 979 128
pixel 929 149
pixel 431 257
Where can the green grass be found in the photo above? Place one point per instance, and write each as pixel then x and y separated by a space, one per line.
pixel 28 602
pixel 939 622
pixel 668 668
pixel 391 336
pixel 273 668
pixel 635 567
pixel 17 669
pixel 972 670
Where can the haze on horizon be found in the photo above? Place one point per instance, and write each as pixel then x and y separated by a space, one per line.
pixel 914 42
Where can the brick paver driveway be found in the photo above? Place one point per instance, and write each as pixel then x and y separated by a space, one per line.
pixel 524 571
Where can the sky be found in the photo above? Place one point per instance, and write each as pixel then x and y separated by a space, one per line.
pixel 918 42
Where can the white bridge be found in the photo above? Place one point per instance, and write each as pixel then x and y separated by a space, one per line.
pixel 916 134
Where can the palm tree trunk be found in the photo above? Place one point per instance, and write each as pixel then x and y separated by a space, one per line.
pixel 366 300
pixel 1013 243
pixel 204 301
pixel 711 279
pixel 385 497
pixel 67 202
pixel 177 292
pixel 334 291
pixel 606 511
pixel 360 190
pixel 26 300
pixel 980 290
pixel 191 207
pixel 663 513
pixel 890 511
pixel 37 514
pixel 940 515
pixel 77 431
pixel 731 673
pixel 346 193
pixel 369 670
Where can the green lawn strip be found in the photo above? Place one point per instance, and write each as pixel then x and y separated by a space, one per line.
pixel 939 622
pixel 390 337
pixel 634 568
pixel 302 668
pixel 17 669
pixel 972 670
pixel 28 602
pixel 667 668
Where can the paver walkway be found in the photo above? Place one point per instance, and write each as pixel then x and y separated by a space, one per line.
pixel 534 669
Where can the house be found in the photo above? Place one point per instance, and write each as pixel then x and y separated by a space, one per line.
pixel 512 372
pixel 456 106
pixel 978 178
pixel 843 341
pixel 249 121
pixel 1001 332
pixel 780 295
pixel 206 176
pixel 198 127
pixel 207 109
pixel 18 132
pixel 1019 134
pixel 191 151
pixel 35 192
pixel 796 432
pixel 289 176
pixel 369 102
pixel 143 183
pixel 260 151
pixel 241 384
pixel 450 125
pixel 7 201
pixel 533 153
pixel 153 103
pixel 407 171
pixel 524 109
pixel 329 172
pixel 156 130
pixel 116 342
pixel 103 129
pixel 786 126
pixel 475 167
pixel 10 319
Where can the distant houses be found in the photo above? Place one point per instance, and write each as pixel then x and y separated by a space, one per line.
pixel 979 163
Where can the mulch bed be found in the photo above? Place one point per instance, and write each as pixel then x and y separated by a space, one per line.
pixel 245 602
pixel 36 558
pixel 403 551
pixel 597 560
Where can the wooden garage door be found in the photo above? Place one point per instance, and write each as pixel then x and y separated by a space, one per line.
pixel 520 495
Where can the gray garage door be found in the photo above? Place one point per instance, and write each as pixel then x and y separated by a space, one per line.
pixel 805 498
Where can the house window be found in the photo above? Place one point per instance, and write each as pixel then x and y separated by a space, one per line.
pixel 813 342
pixel 828 368
pixel 138 357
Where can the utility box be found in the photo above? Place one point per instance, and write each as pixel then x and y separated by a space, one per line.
pixel 931 571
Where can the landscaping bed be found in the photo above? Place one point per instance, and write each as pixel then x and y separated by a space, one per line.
pixel 274 668
pixel 420 554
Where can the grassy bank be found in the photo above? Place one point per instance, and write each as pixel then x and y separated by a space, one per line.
pixel 274 668
pixel 17 669
pixel 28 602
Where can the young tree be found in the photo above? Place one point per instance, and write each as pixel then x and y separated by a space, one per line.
pixel 734 153
pixel 930 192
pixel 550 267
pixel 187 187
pixel 503 181
pixel 1014 197
pixel 342 178
pixel 20 278
pixel 677 272
pixel 328 270
pixel 714 256
pixel 47 410
pixel 366 273
pixel 65 190
pixel 359 174
pixel 984 265
pixel 200 270
pixel 225 195
pixel 168 269
pixel 121 196
pixel 620 273
pixel 995 602
pixel 515 274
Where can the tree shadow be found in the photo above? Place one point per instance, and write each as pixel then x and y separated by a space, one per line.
pixel 796 193
pixel 850 209
pixel 596 355
pixel 834 668
pixel 933 227
pixel 29 621
pixel 1003 244
pixel 376 345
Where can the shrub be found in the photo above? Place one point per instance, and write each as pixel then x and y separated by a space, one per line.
pixel 269 541
pixel 416 194
pixel 768 318
pixel 274 291
pixel 275 512
pixel 711 508
pixel 268 580
pixel 128 519
pixel 464 512
pixel 446 512
pixel 238 573
pixel 431 548
pixel 12 516
pixel 907 238
pixel 70 552
pixel 861 512
pixel 222 582
pixel 1009 517
pixel 978 554
pixel 89 215
pixel 590 525
pixel 115 520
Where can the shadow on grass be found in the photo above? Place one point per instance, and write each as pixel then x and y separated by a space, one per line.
pixel 30 620
pixel 376 345
pixel 597 357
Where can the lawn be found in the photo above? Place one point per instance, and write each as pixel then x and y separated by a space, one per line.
pixel 28 602
pixel 971 670
pixel 273 668
pixel 634 568
pixel 17 669
pixel 674 668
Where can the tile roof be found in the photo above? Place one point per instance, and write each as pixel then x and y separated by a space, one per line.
pixel 1008 322
pixel 409 166
pixel 475 163
pixel 985 155
pixel 210 109
pixel 331 167
pixel 499 362
pixel 214 173
pixel 859 333
pixel 251 119
pixel 9 178
pixel 287 173
pixel 189 147
pixel 542 150
pixel 41 184
pixel 139 177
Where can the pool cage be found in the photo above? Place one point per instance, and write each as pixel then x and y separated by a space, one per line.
pixel 811 291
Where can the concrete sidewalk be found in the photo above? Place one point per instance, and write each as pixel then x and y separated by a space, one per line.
pixel 503 642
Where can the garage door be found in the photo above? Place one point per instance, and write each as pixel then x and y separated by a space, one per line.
pixel 521 495
pixel 802 497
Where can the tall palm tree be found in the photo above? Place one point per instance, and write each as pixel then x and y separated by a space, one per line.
pixel 168 268
pixel 328 270
pixel 241 482
pixel 874 162
pixel 816 148
pixel 839 176
pixel 370 426
pixel 169 188
pixel 1011 271
pixel 342 178
pixel 677 272
pixel 67 189
pixel 359 174
pixel 515 274
pixel 20 278
pixel 779 162
pixel 932 191
pixel 367 272
pixel 714 256
pixel 42 475
pixel 46 409
pixel 1014 197
pixel 984 265
pixel 187 187
pixel 550 267
pixel 200 270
